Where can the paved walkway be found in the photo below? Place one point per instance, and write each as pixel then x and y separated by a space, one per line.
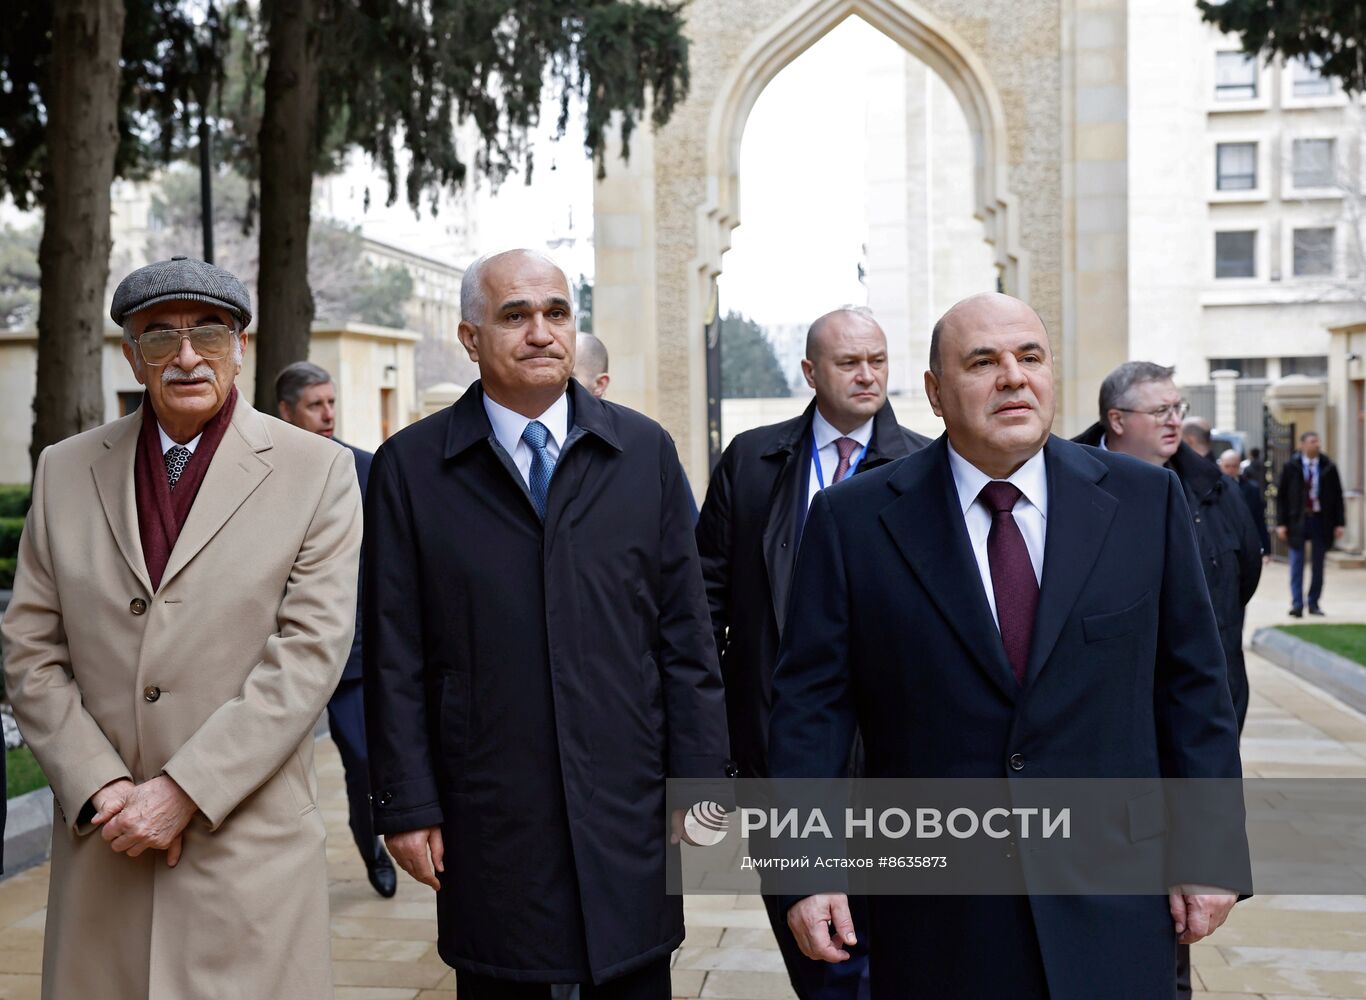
pixel 1273 948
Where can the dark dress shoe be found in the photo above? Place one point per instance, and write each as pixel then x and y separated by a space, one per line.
pixel 382 876
pixel 1297 612
pixel 1314 609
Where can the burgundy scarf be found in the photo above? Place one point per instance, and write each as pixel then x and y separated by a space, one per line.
pixel 161 510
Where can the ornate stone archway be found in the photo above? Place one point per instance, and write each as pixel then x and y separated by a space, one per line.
pixel 1042 86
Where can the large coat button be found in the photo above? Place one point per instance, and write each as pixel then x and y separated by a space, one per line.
pixel 151 693
pixel 138 606
pixel 385 798
pixel 1016 762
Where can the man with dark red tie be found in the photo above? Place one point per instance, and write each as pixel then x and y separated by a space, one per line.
pixel 1309 508
pixel 1006 604
pixel 747 536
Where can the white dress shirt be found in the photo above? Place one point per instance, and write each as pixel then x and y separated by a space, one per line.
pixel 167 444
pixel 509 424
pixel 1030 513
pixel 826 435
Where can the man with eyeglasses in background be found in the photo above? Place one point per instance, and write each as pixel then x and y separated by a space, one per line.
pixel 183 605
pixel 1141 414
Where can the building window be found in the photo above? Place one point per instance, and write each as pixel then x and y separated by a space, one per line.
pixel 1235 254
pixel 1313 252
pixel 1315 366
pixel 1235 77
pixel 1245 367
pixel 1307 81
pixel 1311 162
pixel 1235 166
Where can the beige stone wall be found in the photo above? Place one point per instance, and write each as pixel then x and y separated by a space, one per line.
pixel 1029 77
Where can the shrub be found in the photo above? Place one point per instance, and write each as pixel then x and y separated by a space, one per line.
pixel 14 501
pixel 10 529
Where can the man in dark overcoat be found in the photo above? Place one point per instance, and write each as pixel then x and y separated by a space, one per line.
pixel 1005 604
pixel 1140 415
pixel 748 535
pixel 538 659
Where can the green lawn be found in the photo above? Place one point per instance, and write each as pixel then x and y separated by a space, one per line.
pixel 1345 640
pixel 22 772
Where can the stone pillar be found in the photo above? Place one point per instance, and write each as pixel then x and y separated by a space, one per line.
pixel 624 313
pixel 1095 331
pixel 1225 399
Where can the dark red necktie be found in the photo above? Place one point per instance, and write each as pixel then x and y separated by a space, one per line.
pixel 846 448
pixel 1012 575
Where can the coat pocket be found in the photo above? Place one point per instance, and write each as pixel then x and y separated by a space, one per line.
pixel 1113 624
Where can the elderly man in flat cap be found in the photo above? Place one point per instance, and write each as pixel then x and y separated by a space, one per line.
pixel 183 606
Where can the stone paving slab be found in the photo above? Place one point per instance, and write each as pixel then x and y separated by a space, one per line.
pixel 1273 948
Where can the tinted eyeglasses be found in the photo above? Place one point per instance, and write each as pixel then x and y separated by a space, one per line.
pixel 160 347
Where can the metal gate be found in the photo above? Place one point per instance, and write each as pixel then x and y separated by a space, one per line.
pixel 1279 446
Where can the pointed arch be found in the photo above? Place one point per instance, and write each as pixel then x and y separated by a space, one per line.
pixel 923 36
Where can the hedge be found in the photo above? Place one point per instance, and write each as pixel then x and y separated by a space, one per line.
pixel 7 573
pixel 14 501
pixel 10 529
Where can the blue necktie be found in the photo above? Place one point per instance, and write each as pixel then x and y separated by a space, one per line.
pixel 542 465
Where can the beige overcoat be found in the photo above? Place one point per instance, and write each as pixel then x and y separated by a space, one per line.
pixel 215 679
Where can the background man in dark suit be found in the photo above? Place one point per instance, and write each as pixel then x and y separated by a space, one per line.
pixel 538 659
pixel 1309 509
pixel 1232 466
pixel 1197 435
pixel 1005 604
pixel 748 534
pixel 590 364
pixel 306 397
pixel 1140 415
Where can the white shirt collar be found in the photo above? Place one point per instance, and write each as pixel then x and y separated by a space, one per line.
pixel 167 444
pixel 1103 445
pixel 508 425
pixel 826 433
pixel 1031 479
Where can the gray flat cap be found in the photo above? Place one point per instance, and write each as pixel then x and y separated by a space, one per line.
pixel 180 278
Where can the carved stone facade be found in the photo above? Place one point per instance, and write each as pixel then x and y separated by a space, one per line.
pixel 1042 85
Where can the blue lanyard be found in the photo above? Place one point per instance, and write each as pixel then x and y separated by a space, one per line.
pixel 816 461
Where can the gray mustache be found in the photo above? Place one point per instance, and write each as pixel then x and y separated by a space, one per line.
pixel 201 370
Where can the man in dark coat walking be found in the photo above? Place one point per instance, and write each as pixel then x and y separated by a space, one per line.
pixel 1309 510
pixel 748 534
pixel 1005 604
pixel 1231 465
pixel 538 659
pixel 1140 415
pixel 306 397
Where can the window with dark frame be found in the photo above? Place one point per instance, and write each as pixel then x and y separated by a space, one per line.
pixel 1313 252
pixel 1235 166
pixel 1235 254
pixel 1235 77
